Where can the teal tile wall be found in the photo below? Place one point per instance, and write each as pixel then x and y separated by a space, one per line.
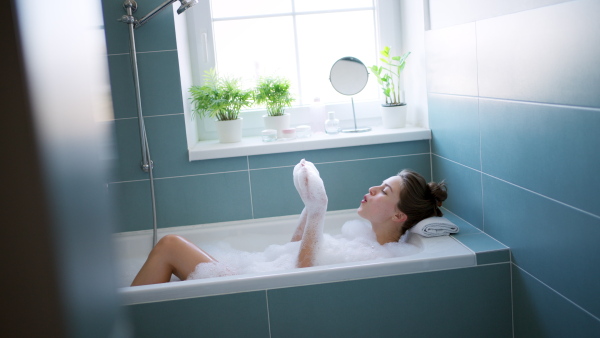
pixel 395 306
pixel 235 315
pixel 541 312
pixel 261 186
pixel 223 189
pixel 523 144
pixel 428 304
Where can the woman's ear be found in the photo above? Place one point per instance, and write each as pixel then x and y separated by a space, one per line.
pixel 399 217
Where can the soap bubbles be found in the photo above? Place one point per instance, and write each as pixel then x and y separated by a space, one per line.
pixel 357 242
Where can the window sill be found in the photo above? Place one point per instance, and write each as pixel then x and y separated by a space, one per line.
pixel 212 149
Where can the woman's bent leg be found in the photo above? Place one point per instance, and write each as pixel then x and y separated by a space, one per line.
pixel 172 255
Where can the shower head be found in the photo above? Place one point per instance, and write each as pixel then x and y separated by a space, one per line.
pixel 185 4
pixel 131 6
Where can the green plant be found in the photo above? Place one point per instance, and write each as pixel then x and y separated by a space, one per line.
pixel 220 97
pixel 388 75
pixel 275 93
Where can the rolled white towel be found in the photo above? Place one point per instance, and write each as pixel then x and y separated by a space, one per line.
pixel 435 226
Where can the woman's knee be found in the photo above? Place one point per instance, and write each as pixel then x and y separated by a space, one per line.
pixel 168 243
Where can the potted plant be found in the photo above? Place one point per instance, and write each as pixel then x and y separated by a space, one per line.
pixel 274 92
pixel 388 76
pixel 221 98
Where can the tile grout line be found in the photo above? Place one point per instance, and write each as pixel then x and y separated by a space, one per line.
pixel 342 161
pixel 520 187
pixel 558 293
pixel 181 176
pixel 520 101
pixel 267 168
pixel 512 295
pixel 145 117
pixel 146 52
pixel 431 157
pixel 250 186
pixel 268 312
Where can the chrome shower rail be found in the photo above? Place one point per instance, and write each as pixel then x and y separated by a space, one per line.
pixel 147 165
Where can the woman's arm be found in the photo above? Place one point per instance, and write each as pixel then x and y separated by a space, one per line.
pixel 312 191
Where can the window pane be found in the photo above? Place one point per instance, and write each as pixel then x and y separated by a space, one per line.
pixel 347 34
pixel 256 47
pixel 320 5
pixel 236 8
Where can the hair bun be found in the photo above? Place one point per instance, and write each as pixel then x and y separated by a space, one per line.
pixel 439 191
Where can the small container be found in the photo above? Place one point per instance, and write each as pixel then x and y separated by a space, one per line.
pixel 288 134
pixel 303 131
pixel 332 125
pixel 269 135
pixel 318 114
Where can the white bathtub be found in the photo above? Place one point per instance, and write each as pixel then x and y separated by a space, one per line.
pixel 437 253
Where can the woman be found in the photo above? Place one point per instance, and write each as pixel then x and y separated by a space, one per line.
pixel 392 208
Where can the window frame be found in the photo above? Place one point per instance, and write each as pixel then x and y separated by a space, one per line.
pixel 196 54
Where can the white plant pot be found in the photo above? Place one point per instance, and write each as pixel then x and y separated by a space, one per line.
pixel 229 131
pixel 394 116
pixel 277 122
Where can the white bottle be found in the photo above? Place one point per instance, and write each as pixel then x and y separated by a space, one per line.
pixel 318 113
pixel 332 125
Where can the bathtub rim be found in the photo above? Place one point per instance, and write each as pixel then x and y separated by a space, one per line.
pixel 462 257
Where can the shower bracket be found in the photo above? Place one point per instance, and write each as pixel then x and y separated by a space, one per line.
pixel 147 166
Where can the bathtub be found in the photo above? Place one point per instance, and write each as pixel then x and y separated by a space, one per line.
pixel 438 253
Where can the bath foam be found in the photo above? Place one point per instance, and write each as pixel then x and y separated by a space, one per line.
pixel 357 242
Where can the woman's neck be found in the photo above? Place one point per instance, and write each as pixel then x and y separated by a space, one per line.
pixel 387 232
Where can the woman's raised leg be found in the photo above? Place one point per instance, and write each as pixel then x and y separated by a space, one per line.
pixel 171 255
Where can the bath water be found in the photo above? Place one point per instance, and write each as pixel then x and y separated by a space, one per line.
pixel 357 242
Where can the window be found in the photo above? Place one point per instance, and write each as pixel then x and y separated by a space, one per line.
pixel 298 39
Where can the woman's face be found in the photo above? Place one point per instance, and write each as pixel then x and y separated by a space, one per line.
pixel 381 203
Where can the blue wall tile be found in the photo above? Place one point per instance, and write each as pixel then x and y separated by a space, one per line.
pixel 274 194
pixel 487 249
pixel 339 154
pixel 553 60
pixel 166 135
pixel 444 13
pixel 157 35
pixel 478 305
pixel 128 151
pixel 235 315
pixel 541 312
pixel 545 148
pixel 464 189
pixel 203 199
pixel 122 88
pixel 160 85
pixel 553 242
pixel 465 228
pixel 134 205
pixel 537 85
pixel 347 182
pixel 454 121
pixel 452 60
pixel 168 150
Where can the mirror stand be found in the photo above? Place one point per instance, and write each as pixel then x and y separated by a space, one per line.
pixel 356 129
pixel 349 76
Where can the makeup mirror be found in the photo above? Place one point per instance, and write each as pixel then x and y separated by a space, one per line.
pixel 349 76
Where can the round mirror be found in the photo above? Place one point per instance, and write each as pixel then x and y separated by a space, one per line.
pixel 348 75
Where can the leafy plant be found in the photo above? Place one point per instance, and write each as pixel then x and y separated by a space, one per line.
pixel 388 75
pixel 220 97
pixel 275 93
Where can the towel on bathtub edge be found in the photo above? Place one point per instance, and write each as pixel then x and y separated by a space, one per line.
pixel 435 226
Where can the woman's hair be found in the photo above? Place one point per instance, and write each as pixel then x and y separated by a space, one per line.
pixel 419 199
